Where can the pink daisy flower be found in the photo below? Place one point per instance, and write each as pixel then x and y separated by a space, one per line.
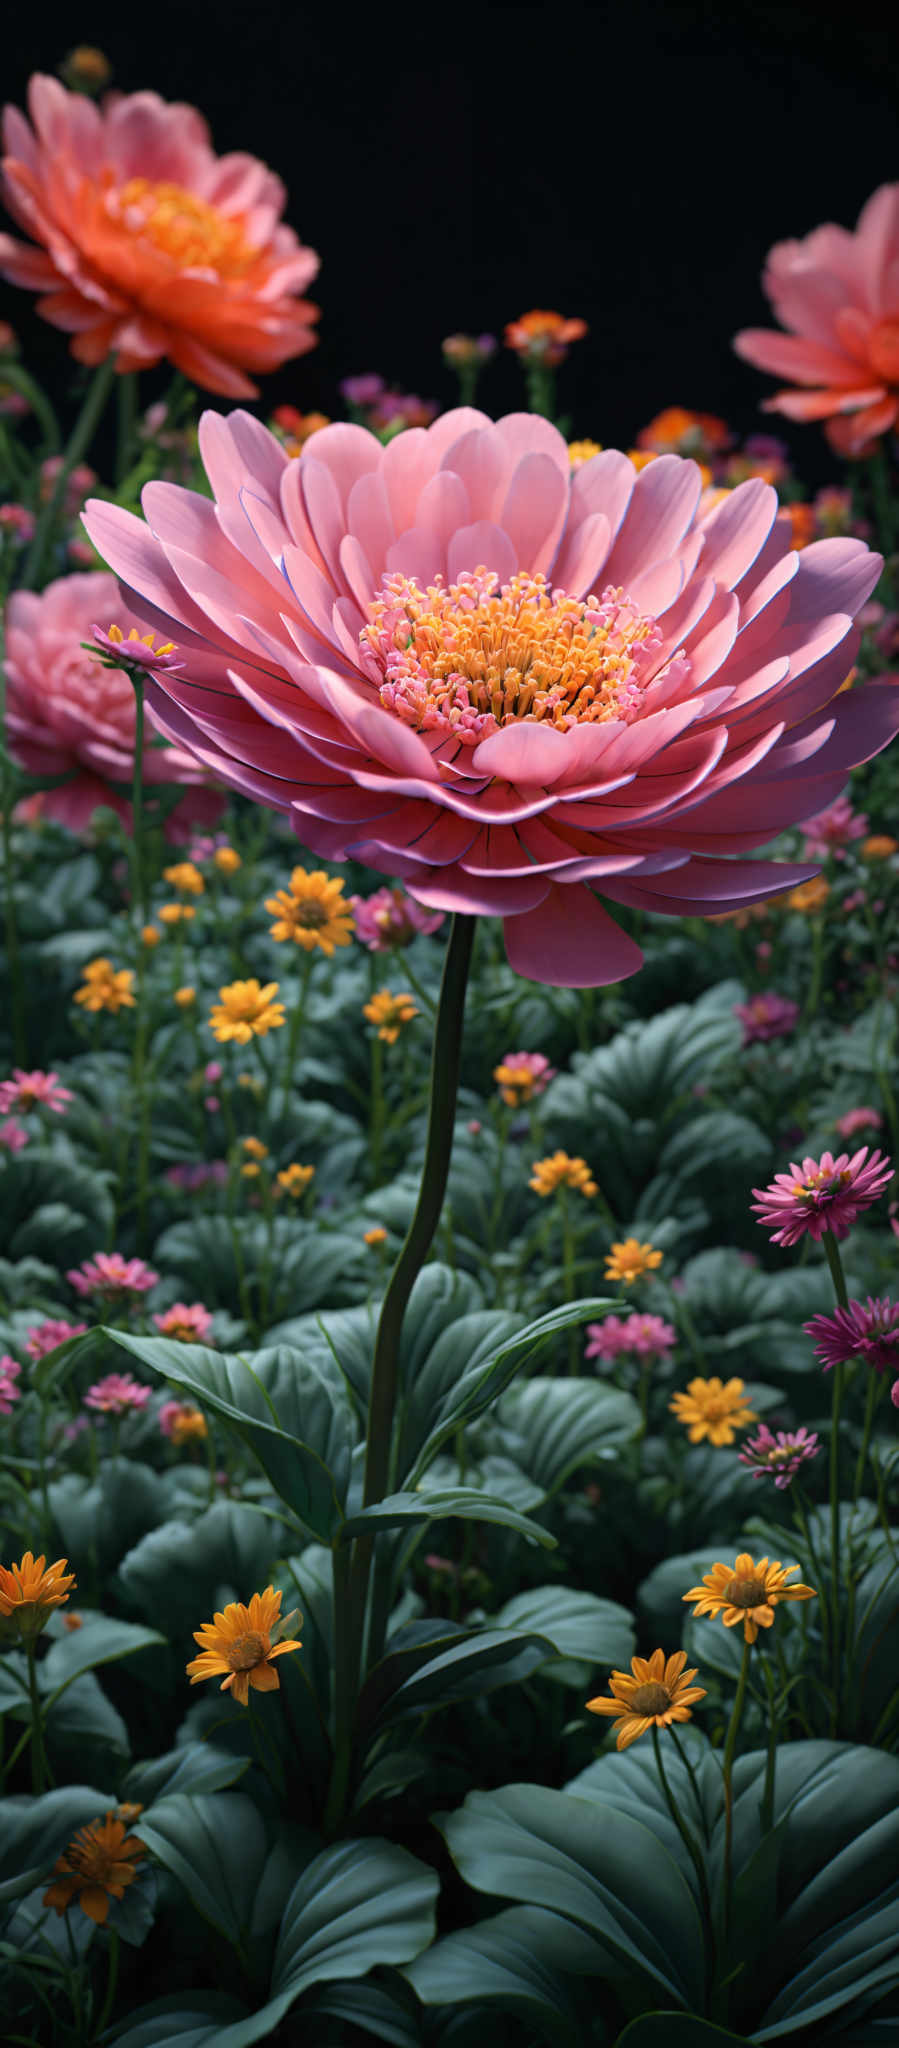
pixel 862 1119
pixel 868 1330
pixel 832 829
pixel 188 1323
pixel 671 673
pixel 117 1394
pixel 108 1275
pixel 390 918
pixel 781 1455
pixel 13 1135
pixel 767 1015
pixel 45 1336
pixel 34 1091
pixel 9 1392
pixel 821 1194
pixel 836 293
pixel 645 1336
pixel 133 650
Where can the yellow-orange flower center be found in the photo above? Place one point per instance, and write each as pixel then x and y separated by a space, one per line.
pixel 247 1651
pixel 650 1699
pixel 745 1593
pixel 186 229
pixel 464 659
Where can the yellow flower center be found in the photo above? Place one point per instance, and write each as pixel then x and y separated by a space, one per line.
pixel 468 658
pixel 247 1651
pixel 746 1593
pixel 190 232
pixel 650 1699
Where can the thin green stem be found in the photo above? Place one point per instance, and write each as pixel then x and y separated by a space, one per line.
pixel 771 1760
pixel 832 1254
pixel 111 1981
pixel 38 1753
pixel 126 413
pixel 686 1836
pixel 294 1032
pixel 727 1771
pixel 138 860
pixel 870 1405
pixel 80 439
pixel 344 1679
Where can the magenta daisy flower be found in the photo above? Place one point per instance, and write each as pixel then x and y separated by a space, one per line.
pixel 108 1275
pixel 637 1335
pixel 868 1330
pixel 781 1454
pixel 822 1194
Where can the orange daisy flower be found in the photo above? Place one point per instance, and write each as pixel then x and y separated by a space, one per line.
pixel 97 1866
pixel 241 1642
pixel 747 1592
pixel 28 1591
pixel 713 1408
pixel 655 1692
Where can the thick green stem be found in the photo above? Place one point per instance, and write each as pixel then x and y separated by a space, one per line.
pixel 445 1062
pixel 81 437
pixel 727 1771
pixel 832 1253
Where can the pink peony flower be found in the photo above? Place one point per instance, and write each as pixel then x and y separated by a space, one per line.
pixel 68 715
pixel 869 1331
pixel 108 1275
pixel 34 1091
pixel 862 1119
pixel 670 696
pixel 821 1194
pixel 117 1394
pixel 767 1015
pixel 831 829
pixel 188 1323
pixel 13 1135
pixel 45 1336
pixel 150 245
pixel 9 1373
pixel 390 918
pixel 836 293
pixel 644 1336
pixel 781 1455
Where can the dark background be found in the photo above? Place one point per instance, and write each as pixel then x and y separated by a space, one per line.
pixel 629 165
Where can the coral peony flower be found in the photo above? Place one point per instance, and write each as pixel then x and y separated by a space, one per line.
pixel 713 1408
pixel 836 294
pixel 313 912
pixel 821 1194
pixel 9 1373
pixel 118 1394
pixel 182 1423
pixel 628 1260
pixel 111 1277
pixel 656 1691
pixel 767 1015
pixel 150 245
pixel 869 1331
pixel 97 1866
pixel 391 1013
pixel 522 1076
pixel 241 1642
pixel 669 696
pixel 833 828
pixel 246 1010
pixel 747 1592
pixel 561 1171
pixel 36 1090
pixel 781 1456
pixel 69 714
pixel 187 1322
pixel 28 1591
pixel 637 1335
pixel 46 1336
pixel 390 918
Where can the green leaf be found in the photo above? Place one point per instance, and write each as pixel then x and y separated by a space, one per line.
pixel 519 1960
pixel 596 1865
pixel 194 1767
pixel 462 1503
pixel 35 1832
pixel 102 1518
pixel 192 2019
pixel 441 1398
pixel 376 2009
pixel 553 1426
pixel 483 1659
pixel 215 1844
pixel 295 1416
pixel 579 1625
pixel 100 1640
pixel 184 1569
pixel 358 1905
pixel 676 2030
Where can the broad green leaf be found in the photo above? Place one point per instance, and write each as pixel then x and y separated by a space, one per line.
pixel 85 1734
pixel 101 1519
pixel 483 1659
pixel 269 1398
pixel 597 1865
pixel 444 1397
pixel 215 1844
pixel 99 1640
pixel 522 1961
pixel 35 1832
pixel 192 2019
pixel 460 1503
pixel 676 2030
pixel 376 2009
pixel 358 1905
pixel 579 1625
pixel 182 1570
pixel 554 1426
pixel 194 1767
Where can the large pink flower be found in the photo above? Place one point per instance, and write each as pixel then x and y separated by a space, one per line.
pixel 68 715
pixel 838 294
pixel 151 245
pixel 369 646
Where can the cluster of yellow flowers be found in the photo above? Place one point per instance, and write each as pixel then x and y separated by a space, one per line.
pixel 106 988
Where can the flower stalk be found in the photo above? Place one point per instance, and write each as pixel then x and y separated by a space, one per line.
pixel 79 441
